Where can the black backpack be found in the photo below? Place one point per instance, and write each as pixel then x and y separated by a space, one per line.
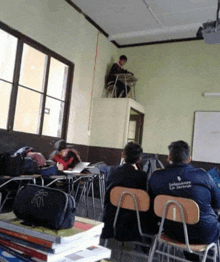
pixel 44 206
pixel 11 164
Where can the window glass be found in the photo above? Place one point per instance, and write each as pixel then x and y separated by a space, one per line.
pixel 8 46
pixel 32 68
pixel 5 93
pixel 31 90
pixel 57 79
pixel 53 117
pixel 27 114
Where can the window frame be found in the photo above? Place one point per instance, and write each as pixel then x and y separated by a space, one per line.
pixel 23 39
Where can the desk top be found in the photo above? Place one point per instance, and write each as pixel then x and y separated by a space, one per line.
pixel 21 177
pixel 128 77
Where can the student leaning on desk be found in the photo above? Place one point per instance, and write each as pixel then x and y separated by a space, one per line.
pixel 65 157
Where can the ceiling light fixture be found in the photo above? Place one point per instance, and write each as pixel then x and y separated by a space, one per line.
pixel 211 94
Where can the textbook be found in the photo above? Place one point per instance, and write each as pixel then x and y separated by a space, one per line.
pixel 43 256
pixel 57 249
pixel 90 254
pixel 26 243
pixel 82 228
pixel 10 255
pixel 35 240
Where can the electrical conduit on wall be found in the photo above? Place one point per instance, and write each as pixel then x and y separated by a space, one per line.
pixel 93 81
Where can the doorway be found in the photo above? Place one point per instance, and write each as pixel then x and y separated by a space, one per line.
pixel 135 128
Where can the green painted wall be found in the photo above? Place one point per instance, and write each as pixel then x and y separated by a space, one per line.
pixel 171 80
pixel 55 24
pixel 171 77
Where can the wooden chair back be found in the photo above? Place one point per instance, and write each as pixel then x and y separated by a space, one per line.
pixel 190 208
pixel 127 202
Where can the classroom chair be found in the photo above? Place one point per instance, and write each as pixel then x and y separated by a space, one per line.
pixel 185 211
pixel 132 199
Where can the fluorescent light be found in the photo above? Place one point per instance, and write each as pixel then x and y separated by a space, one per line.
pixel 211 94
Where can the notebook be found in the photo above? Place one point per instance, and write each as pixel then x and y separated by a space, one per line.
pixel 78 168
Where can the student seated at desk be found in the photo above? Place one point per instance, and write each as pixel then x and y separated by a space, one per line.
pixel 117 69
pixel 127 175
pixel 200 187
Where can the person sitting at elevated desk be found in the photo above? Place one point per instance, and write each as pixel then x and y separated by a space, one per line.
pixel 117 69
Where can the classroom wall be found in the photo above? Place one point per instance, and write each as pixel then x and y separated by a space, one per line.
pixel 110 121
pixel 171 77
pixel 61 28
pixel 171 80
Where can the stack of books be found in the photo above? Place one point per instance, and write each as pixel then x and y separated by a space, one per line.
pixel 18 240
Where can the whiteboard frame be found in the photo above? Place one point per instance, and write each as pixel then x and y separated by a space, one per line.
pixel 193 138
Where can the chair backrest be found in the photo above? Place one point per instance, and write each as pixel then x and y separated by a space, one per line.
pixel 173 211
pixel 127 201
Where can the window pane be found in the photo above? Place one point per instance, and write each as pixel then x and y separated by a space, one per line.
pixel 8 45
pixel 57 79
pixel 27 113
pixel 53 117
pixel 5 93
pixel 32 68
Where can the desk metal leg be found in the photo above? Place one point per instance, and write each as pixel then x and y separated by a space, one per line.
pixel 42 181
pixel 114 93
pixel 126 87
pixel 6 198
pixel 102 189
pixel 93 199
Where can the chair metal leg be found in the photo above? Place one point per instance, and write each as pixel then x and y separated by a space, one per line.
pixel 106 243
pixel 211 246
pixel 168 252
pixel 151 254
pixel 218 252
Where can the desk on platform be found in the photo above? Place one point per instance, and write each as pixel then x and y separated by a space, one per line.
pixel 127 79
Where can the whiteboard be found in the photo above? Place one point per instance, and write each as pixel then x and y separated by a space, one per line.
pixel 206 140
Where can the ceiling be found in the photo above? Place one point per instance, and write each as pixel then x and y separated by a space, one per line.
pixel 131 22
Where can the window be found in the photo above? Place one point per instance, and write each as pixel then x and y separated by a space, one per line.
pixel 8 45
pixel 35 85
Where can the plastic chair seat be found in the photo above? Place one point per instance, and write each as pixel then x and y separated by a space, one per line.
pixel 171 241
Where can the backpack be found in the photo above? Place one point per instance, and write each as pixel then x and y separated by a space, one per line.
pixel 149 164
pixel 30 166
pixel 44 206
pixel 11 164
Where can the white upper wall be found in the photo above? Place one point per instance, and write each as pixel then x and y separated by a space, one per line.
pixel 58 26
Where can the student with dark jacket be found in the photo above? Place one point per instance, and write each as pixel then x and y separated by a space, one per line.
pixel 117 69
pixel 183 180
pixel 127 175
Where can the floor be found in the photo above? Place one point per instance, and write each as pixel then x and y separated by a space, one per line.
pixel 126 253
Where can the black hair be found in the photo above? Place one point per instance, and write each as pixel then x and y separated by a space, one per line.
pixel 60 145
pixel 123 57
pixel 132 152
pixel 179 152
